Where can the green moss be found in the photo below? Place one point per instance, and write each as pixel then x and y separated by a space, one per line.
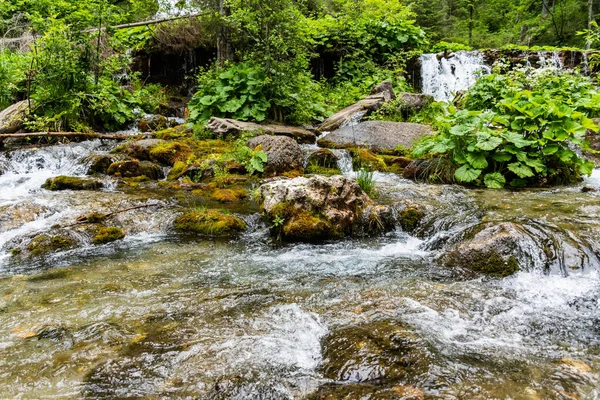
pixel 229 195
pixel 209 223
pixel 72 183
pixel 108 234
pixel 305 226
pixel 363 158
pixel 486 262
pixel 44 244
pixel 318 170
pixel 177 170
pixel 410 218
pixel 177 132
pixel 169 153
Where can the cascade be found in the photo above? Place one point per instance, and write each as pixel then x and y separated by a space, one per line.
pixel 443 77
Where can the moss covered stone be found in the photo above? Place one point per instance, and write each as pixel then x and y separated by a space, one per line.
pixel 134 168
pixel 178 168
pixel 177 132
pixel 410 218
pixel 363 158
pixel 72 183
pixel 488 262
pixel 169 153
pixel 209 223
pixel 307 227
pixel 45 244
pixel 108 234
pixel 229 195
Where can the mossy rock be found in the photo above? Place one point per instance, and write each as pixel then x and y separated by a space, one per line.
pixel 304 226
pixel 177 170
pixel 46 244
pixel 135 168
pixel 212 223
pixel 410 218
pixel 153 123
pixel 177 132
pixel 229 195
pixel 316 170
pixel 169 153
pixel 72 183
pixel 99 164
pixel 108 234
pixel 363 158
pixel 323 158
pixel 487 262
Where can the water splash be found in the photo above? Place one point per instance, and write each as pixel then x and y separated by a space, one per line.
pixel 443 77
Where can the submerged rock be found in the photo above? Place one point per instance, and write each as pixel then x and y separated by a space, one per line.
pixel 212 223
pixel 230 127
pixel 316 207
pixel 135 168
pixel 380 352
pixel 42 245
pixel 284 154
pixel 382 93
pixel 72 183
pixel 378 136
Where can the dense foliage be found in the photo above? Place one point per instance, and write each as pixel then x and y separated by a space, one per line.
pixel 519 128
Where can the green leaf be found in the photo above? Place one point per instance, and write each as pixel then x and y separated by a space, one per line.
pixel 262 155
pixel 516 139
pixel 460 130
pixel 494 180
pixel 467 174
pixel 550 149
pixel 477 160
pixel 536 164
pixel 586 167
pixel 521 170
pixel 489 144
pixel 502 157
pixel 565 155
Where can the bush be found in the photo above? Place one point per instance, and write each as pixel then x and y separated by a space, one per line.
pixel 527 135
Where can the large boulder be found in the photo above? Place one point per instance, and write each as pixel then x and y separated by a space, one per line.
pixel 136 168
pixel 491 249
pixel 382 93
pixel 316 208
pixel 63 182
pixel 376 135
pixel 284 154
pixel 231 127
pixel 12 118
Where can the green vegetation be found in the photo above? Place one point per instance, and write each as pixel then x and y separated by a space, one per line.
pixel 518 128
pixel 209 223
pixel 365 180
pixel 108 234
pixel 44 244
pixel 71 183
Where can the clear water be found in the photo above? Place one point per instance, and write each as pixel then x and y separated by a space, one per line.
pixel 163 316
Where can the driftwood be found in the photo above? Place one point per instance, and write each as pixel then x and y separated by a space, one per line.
pixel 97 217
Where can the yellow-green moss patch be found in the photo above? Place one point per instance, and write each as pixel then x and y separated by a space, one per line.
pixel 229 195
pixel 45 244
pixel 71 183
pixel 108 234
pixel 169 153
pixel 209 223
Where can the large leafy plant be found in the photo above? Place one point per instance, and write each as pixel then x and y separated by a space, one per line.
pixel 524 138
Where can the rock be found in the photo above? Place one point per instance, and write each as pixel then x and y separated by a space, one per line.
pixel 169 153
pixel 72 183
pixel 377 136
pixel 323 158
pixel 371 391
pixel 209 223
pixel 365 159
pixel 135 168
pixel 435 170
pixel 99 164
pixel 411 103
pixel 140 149
pixel 229 195
pixel 401 162
pixel 231 127
pixel 380 94
pixel 108 234
pixel 315 208
pixel 589 189
pixel 380 352
pixel 153 123
pixel 12 118
pixel 410 217
pixel 283 153
pixel 42 245
pixel 491 249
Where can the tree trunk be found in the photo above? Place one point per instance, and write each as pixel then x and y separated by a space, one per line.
pixel 471 9
pixel 224 51
pixel 588 43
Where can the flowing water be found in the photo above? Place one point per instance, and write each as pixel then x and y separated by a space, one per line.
pixel 444 76
pixel 159 315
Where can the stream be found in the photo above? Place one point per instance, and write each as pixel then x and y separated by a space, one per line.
pixel 160 315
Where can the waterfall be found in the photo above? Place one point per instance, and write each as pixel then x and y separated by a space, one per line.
pixel 553 61
pixel 444 76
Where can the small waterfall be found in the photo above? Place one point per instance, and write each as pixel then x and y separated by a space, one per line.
pixel 553 61
pixel 344 161
pixel 25 170
pixel 444 76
